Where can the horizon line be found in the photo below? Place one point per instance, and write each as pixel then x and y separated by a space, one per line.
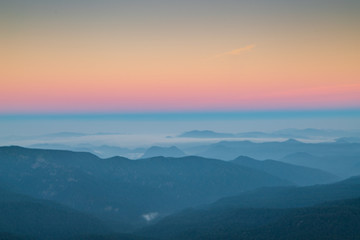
pixel 167 115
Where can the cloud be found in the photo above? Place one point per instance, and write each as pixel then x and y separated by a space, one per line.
pixel 150 216
pixel 238 51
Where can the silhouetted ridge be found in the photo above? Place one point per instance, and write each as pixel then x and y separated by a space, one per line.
pixel 297 174
pixel 124 192
pixel 336 220
pixel 40 219
pixel 163 151
pixel 290 197
pixel 205 134
pixel 229 150
pixel 291 140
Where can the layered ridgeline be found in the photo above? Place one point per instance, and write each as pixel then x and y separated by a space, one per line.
pixel 338 220
pixel 156 151
pixel 271 213
pixel 299 175
pixel 96 197
pixel 341 165
pixel 339 158
pixel 125 193
pixel 229 150
pixel 103 151
pixel 21 215
pixel 309 133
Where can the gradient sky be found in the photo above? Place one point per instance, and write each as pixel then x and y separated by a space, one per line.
pixel 167 55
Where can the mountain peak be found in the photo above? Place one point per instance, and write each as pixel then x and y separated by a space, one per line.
pixel 244 158
pixel 292 140
pixel 156 151
pixel 205 134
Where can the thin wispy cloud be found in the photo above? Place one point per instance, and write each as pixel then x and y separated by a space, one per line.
pixel 237 51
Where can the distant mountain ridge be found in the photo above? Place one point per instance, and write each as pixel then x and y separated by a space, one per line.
pixel 297 174
pixel 244 198
pixel 229 150
pixel 103 151
pixel 205 134
pixel 122 191
pixel 307 133
pixel 348 140
pixel 341 165
pixel 156 151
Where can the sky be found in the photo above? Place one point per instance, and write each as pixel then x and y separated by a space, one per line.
pixel 155 55
pixel 239 61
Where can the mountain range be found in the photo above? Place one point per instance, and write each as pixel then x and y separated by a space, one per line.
pixel 308 133
pixel 125 192
pixel 156 151
pixel 271 213
pixel 299 175
pixel 43 219
pixel 77 195
pixel 229 150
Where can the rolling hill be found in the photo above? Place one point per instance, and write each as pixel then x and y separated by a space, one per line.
pixel 315 212
pixel 40 219
pixel 125 193
pixel 299 175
